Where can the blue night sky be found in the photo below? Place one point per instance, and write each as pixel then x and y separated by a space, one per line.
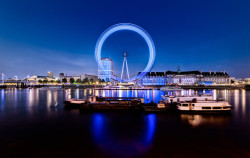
pixel 37 36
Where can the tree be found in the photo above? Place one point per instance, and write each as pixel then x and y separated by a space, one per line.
pixel 71 80
pixel 91 80
pixel 99 81
pixel 85 80
pixel 64 80
pixel 78 80
pixel 103 81
pixel 51 81
pixel 40 81
pixel 45 81
pixel 58 81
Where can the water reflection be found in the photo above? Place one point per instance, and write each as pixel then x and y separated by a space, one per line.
pixel 243 99
pixel 199 120
pixel 98 130
pixel 49 99
pixel 151 123
pixel 37 96
pixel 77 93
pixel 107 140
pixel 236 100
pixel 68 94
pixel 28 100
pixel 55 96
pixel 2 100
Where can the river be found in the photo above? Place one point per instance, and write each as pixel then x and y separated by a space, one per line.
pixel 33 123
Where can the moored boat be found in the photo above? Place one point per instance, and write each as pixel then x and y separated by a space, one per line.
pixel 178 99
pixel 211 106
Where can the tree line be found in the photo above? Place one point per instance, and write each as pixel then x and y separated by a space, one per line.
pixel 71 80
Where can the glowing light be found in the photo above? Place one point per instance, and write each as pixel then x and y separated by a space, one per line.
pixel 98 126
pixel 130 27
pixel 2 99
pixel 236 99
pixel 151 123
pixel 243 102
pixel 77 93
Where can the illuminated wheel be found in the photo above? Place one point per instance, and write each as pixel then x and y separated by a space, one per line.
pixel 130 27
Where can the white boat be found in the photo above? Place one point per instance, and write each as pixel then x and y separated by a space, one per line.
pixel 211 106
pixel 178 99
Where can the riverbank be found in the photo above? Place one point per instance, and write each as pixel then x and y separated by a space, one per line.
pixel 100 87
pixel 213 87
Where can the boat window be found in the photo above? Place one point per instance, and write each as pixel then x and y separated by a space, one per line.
pixel 206 107
pixel 226 107
pixel 216 107
pixel 192 104
pixel 184 104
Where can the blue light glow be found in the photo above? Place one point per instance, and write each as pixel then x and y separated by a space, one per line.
pixel 2 99
pixel 98 127
pixel 150 121
pixel 130 27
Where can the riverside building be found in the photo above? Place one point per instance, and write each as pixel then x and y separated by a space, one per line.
pixel 185 78
pixel 107 71
pixel 197 77
pixel 78 77
pixel 153 78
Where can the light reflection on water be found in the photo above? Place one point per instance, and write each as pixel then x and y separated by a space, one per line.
pixel 201 120
pixel 243 99
pixel 2 99
pixel 105 128
pixel 108 141
pixel 13 97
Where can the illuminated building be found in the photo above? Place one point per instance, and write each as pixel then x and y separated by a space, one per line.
pixel 78 77
pixel 153 78
pixel 50 74
pixel 107 72
pixel 94 77
pixel 197 77
pixel 185 78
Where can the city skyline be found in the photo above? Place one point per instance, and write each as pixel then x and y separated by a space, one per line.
pixel 60 37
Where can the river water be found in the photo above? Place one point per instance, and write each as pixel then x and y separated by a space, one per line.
pixel 33 123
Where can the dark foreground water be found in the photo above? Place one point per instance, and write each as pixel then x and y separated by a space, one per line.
pixel 33 123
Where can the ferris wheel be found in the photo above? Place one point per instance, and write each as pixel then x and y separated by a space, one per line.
pixel 130 27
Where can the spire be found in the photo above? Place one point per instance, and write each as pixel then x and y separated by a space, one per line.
pixel 125 62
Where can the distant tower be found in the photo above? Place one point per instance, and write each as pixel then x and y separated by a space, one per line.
pixel 125 62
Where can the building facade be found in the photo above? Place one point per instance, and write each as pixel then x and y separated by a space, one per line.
pixel 107 71
pixel 89 77
pixel 197 77
pixel 35 79
pixel 153 78
pixel 185 78
pixel 80 77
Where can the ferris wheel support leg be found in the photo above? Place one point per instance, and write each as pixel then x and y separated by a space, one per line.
pixel 127 68
pixel 122 68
